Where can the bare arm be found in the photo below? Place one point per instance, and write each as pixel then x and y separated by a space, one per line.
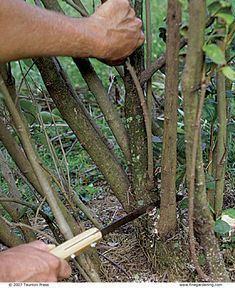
pixel 32 263
pixel 111 33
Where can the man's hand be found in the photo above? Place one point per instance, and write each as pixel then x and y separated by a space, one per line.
pixel 32 263
pixel 111 34
pixel 116 31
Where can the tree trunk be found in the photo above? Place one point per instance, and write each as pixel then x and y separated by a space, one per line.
pixel 221 145
pixel 75 114
pixel 167 223
pixel 192 82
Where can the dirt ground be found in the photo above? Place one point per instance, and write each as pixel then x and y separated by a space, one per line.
pixel 122 258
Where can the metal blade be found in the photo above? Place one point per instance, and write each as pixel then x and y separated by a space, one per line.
pixel 128 218
pixel 132 216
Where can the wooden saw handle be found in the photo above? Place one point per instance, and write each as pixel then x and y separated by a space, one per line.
pixel 77 244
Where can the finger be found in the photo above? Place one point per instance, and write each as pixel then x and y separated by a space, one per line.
pixel 39 245
pixel 139 23
pixel 131 12
pixel 141 39
pixel 65 270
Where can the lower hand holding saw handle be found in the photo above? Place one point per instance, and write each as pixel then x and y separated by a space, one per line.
pixel 77 244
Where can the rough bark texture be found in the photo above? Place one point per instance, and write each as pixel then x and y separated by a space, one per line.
pixel 96 87
pixel 167 223
pixel 75 114
pixel 137 137
pixel 23 164
pixel 84 260
pixel 190 86
pixel 7 236
pixel 14 209
pixel 203 227
pixel 107 107
pixel 221 145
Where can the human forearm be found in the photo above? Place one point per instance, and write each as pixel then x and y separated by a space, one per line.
pixel 28 31
pixel 112 33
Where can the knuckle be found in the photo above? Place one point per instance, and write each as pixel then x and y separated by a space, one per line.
pixel 125 3
pixel 55 263
pixel 132 12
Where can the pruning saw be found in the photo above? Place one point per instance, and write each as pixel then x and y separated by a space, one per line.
pixel 79 243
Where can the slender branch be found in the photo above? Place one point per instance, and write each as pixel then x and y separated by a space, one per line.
pixel 39 209
pixel 191 187
pixel 158 64
pixel 221 145
pixel 35 208
pixel 22 225
pixel 32 157
pixel 107 107
pixel 148 33
pixel 149 89
pixel 116 265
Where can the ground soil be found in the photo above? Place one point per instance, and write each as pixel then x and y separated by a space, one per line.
pixel 123 259
pixel 121 255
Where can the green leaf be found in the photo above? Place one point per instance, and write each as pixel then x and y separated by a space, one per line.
pixel 231 127
pixel 56 112
pixel 28 106
pixel 184 203
pixel 230 212
pixel 228 18
pixel 40 138
pixel 202 259
pixel 48 117
pixel 229 73
pixel 215 53
pixel 214 7
pixel 221 227
pixel 28 62
pixel 225 3
pixel 29 109
pixel 210 182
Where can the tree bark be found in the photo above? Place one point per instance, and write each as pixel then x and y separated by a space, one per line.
pixel 191 83
pixel 75 114
pixel 109 111
pixel 221 145
pixel 167 223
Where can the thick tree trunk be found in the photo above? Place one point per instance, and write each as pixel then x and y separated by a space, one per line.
pixel 75 114
pixel 198 205
pixel 107 107
pixel 167 223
